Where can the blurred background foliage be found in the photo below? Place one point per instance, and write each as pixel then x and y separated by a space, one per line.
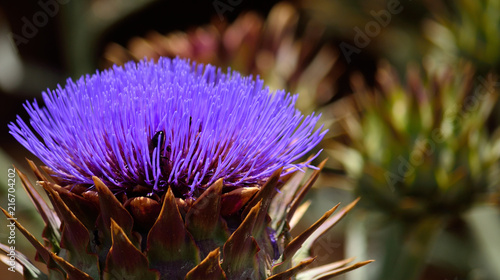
pixel 408 89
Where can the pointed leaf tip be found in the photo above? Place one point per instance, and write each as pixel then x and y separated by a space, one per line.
pixel 46 255
pixel 170 248
pixel 144 210
pixel 72 272
pixel 332 221
pixel 203 216
pixel 289 273
pixel 124 260
pixel 303 191
pixel 343 270
pixel 50 218
pixel 75 238
pixel 266 193
pixel 312 273
pixel 297 242
pixel 208 269
pixel 241 248
pixel 234 200
pixel 39 175
pixel 111 208
pixel 23 264
pixel 82 208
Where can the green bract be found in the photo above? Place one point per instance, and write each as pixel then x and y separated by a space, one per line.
pixel 423 148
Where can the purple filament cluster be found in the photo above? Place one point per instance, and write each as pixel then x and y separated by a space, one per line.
pixel 212 125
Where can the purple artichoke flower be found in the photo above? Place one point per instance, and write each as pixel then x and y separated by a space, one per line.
pixel 173 122
pixel 172 170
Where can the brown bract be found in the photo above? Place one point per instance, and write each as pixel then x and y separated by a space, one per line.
pixel 240 234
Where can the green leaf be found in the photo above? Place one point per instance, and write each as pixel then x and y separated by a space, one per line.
pixel 240 250
pixel 52 222
pixel 170 248
pixel 266 193
pixel 111 208
pixel 43 252
pixel 297 242
pixel 289 273
pixel 208 269
pixel 75 238
pixel 124 260
pixel 304 250
pixel 203 220
pixel 233 201
pixel 84 209
pixel 303 191
pixel 29 271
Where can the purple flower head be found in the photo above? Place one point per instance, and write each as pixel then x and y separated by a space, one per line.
pixel 171 123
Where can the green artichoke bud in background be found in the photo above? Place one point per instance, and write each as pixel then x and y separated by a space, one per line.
pixel 419 154
pixel 423 147
pixel 465 29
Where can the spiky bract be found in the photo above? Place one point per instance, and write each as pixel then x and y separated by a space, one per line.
pixel 241 234
pixel 422 149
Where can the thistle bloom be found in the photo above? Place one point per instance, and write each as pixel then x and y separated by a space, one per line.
pixel 167 123
pixel 172 170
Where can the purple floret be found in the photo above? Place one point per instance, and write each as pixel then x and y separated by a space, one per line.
pixel 171 123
